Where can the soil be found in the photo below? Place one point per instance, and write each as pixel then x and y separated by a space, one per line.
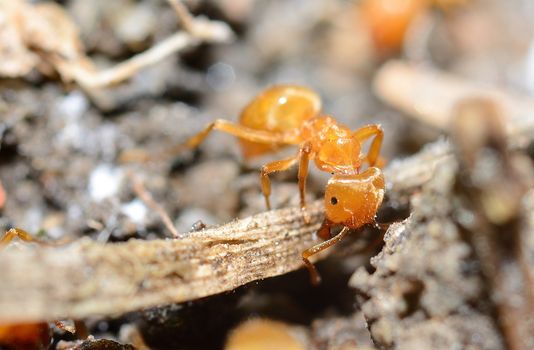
pixel 60 149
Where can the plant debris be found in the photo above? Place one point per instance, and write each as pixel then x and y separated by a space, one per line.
pixel 42 36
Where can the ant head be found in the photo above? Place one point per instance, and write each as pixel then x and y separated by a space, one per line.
pixel 353 199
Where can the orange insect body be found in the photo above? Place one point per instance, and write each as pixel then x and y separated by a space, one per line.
pixel 290 115
pixel 25 336
pixel 333 147
pixel 278 109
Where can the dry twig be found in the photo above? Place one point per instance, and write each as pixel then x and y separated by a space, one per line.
pixel 43 36
pixel 196 30
pixel 142 192
pixel 88 278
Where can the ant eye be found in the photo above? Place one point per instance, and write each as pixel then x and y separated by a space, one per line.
pixel 333 200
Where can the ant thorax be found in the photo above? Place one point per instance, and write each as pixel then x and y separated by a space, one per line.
pixel 335 149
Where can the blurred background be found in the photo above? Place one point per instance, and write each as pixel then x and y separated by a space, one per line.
pixel 60 144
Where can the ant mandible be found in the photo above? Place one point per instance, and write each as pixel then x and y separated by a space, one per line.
pixel 290 115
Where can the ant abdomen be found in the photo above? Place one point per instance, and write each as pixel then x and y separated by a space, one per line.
pixel 280 108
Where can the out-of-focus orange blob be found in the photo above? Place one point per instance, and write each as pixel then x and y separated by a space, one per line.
pixel 25 336
pixel 388 21
pixel 277 109
pixel 262 334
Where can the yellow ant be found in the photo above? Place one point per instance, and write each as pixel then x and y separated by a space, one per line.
pixel 290 115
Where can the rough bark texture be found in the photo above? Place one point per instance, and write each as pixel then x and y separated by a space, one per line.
pixel 87 278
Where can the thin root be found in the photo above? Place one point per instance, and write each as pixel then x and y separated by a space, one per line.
pixel 142 192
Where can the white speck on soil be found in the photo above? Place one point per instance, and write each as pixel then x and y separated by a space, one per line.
pixel 73 106
pixel 104 182
pixel 135 210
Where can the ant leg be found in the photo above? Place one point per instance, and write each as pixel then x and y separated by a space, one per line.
pixel 15 232
pixel 324 230
pixel 304 155
pixel 228 127
pixel 239 131
pixel 366 132
pixel 279 165
pixel 314 275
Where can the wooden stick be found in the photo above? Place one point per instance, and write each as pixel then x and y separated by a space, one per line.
pixel 88 278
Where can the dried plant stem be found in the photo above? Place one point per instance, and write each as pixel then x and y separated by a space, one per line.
pixel 124 70
pixel 87 278
pixel 196 31
pixel 430 96
pixel 183 15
